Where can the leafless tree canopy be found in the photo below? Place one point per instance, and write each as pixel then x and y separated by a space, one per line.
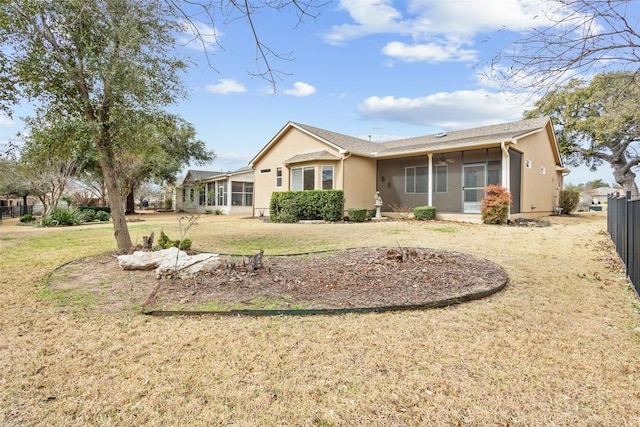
pixel 574 37
pixel 215 12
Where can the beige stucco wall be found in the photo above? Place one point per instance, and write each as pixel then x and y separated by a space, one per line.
pixel 292 143
pixel 359 182
pixel 540 189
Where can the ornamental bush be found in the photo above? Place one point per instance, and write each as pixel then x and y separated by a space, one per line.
pixel 292 206
pixel 26 218
pixel 569 201
pixel 103 216
pixel 424 212
pixel 165 242
pixel 87 215
pixel 357 214
pixel 495 204
pixel 61 216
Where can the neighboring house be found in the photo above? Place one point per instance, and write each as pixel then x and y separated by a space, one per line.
pixel 599 196
pixel 229 192
pixel 445 170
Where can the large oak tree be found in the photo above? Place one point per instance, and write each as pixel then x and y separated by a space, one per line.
pixel 598 122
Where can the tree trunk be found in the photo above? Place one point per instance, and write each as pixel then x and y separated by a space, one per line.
pixel 130 208
pixel 626 178
pixel 116 202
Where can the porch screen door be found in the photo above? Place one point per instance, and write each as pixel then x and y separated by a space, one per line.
pixel 474 181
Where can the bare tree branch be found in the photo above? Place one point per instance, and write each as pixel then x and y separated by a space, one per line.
pixel 574 37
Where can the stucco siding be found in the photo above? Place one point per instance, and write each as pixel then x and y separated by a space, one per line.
pixel 292 143
pixel 359 182
pixel 540 181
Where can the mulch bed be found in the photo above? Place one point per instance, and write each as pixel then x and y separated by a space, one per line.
pixel 354 278
pixel 373 277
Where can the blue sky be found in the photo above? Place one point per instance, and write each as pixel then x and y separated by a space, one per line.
pixel 371 69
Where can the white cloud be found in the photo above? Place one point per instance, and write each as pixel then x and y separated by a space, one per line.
pixel 226 86
pixel 6 122
pixel 300 89
pixel 429 52
pixel 199 36
pixel 439 30
pixel 448 110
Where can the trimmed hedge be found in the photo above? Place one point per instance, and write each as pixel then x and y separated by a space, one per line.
pixel 357 214
pixel 424 212
pixel 292 206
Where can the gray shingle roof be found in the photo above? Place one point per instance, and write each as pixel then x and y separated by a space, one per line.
pixel 307 157
pixel 346 142
pixel 437 142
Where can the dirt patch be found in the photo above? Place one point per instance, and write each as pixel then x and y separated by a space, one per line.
pixel 346 279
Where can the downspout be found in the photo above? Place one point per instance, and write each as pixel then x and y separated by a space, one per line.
pixel 430 180
pixel 506 172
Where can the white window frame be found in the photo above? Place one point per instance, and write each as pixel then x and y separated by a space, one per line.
pixel 414 183
pixel 323 168
pixel 279 177
pixel 302 171
pixel 246 197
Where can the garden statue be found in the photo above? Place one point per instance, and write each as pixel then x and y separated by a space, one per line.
pixel 378 204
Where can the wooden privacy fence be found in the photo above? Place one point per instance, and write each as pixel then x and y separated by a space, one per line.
pixel 623 225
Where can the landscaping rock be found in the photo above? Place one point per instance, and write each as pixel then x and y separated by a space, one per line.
pixel 170 261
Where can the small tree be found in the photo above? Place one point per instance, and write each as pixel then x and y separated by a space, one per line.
pixel 569 201
pixel 495 204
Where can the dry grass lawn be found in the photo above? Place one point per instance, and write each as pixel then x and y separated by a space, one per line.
pixel 558 347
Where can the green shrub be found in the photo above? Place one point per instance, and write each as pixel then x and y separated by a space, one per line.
pixel 165 242
pixel 61 216
pixel 424 212
pixel 569 201
pixel 103 216
pixel 87 215
pixel 27 218
pixel 495 204
pixel 357 214
pixel 96 208
pixel 292 206
pixel 184 245
pixel 167 203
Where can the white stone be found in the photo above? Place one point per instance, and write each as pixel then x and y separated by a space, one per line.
pixel 169 261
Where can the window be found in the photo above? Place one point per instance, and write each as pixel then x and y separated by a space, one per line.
pixel 211 193
pixel 222 193
pixel 327 177
pixel 278 177
pixel 441 179
pixel 241 193
pixel 416 179
pixel 493 173
pixel 303 178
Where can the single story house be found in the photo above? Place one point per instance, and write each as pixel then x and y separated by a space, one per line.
pixel 445 170
pixel 600 195
pixel 229 192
